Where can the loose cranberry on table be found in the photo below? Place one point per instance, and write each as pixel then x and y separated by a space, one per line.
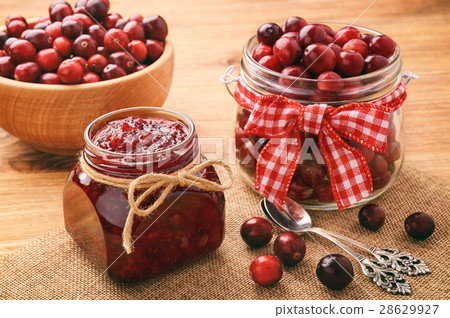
pixel 22 51
pixel 48 60
pixel 266 270
pixel 256 231
pixel 49 78
pixel 419 225
pixel 311 34
pixel 289 248
pixel 27 72
pixel 155 27
pixel 319 58
pixel 335 271
pixel 371 216
pixel 70 72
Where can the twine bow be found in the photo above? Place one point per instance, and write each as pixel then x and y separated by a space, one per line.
pixel 153 182
pixel 281 120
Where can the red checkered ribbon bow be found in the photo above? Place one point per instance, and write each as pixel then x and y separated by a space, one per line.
pixel 282 120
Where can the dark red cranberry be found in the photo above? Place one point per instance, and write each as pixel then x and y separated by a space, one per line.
pixel 329 40
pixel 374 62
pixel 22 51
pixel 70 72
pixel 71 29
pixel 381 182
pixel 419 225
pixel 24 33
pixel 16 27
pixel 366 37
pixel 392 131
pixel 85 21
pixel 63 46
pixel 8 43
pixel 140 67
pixel 336 48
pixel 115 40
pixel 42 25
pixel 299 191
pixel 121 23
pixel 242 117
pixel 271 62
pixel 356 45
pixel 330 81
pixel 112 71
pixel 27 72
pixel 296 71
pixel 289 248
pixel 393 151
pixel 327 29
pixel 294 24
pixel 91 78
pixel 260 51
pixel 256 232
pixel 54 30
pixel 345 34
pixel 155 28
pixel 97 63
pixel 60 11
pixel 56 2
pixel 287 51
pixel 48 60
pixel 49 78
pixel 382 45
pixel 15 17
pixel 97 32
pixel 3 38
pixel 138 50
pixel 378 166
pixel 40 39
pixel 123 59
pixel 111 20
pixel 103 51
pixel 266 270
pixel 134 30
pixel 292 35
pixel 155 49
pixel 269 33
pixel 312 174
pixel 85 46
pixel 136 17
pixel 323 192
pixel 82 61
pixel 349 63
pixel 371 216
pixel 97 9
pixel 6 67
pixel 311 34
pixel 335 271
pixel 319 58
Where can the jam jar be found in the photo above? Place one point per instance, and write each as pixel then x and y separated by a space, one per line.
pixel 310 185
pixel 188 224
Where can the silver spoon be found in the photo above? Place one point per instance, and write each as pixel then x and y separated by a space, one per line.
pixel 298 220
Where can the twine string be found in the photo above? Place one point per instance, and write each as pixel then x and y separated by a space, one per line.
pixel 185 177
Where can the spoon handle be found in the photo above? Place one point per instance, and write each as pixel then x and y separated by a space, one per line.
pixel 403 262
pixel 385 277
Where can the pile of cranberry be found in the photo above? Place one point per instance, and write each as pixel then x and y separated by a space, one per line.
pixel 81 45
pixel 307 50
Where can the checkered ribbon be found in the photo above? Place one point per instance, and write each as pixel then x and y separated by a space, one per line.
pixel 281 120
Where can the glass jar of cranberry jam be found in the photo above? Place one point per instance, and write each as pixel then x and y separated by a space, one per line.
pixel 127 144
pixel 310 185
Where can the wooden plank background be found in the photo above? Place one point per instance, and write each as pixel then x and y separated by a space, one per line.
pixel 208 36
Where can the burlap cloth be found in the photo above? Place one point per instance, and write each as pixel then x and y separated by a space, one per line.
pixel 52 267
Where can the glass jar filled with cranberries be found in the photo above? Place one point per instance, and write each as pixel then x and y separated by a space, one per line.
pixel 330 64
pixel 127 144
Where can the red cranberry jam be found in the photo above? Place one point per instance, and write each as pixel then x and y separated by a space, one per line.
pixel 188 225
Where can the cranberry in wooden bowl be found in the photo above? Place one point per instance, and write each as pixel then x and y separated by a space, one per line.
pixel 325 73
pixel 52 115
pixel 126 144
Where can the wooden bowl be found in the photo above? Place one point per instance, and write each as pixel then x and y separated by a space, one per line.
pixel 52 118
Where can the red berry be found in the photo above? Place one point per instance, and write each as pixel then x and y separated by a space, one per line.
pixel 39 38
pixel 381 182
pixel 382 45
pixel 329 31
pixel 371 216
pixel 266 270
pixel 374 62
pixel 98 9
pixel 299 191
pixel 319 58
pixel 311 34
pixel 3 53
pixel 137 18
pixel 336 48
pixel 27 72
pixel 393 151
pixel 335 271
pixel 155 28
pixel 97 63
pixel 289 248
pixel 91 78
pixel 97 32
pixel 367 153
pixel 8 43
pixel 49 78
pixel 271 62
pixel 115 40
pixel 54 30
pixel 323 192
pixel 82 61
pixel 60 11
pixel 367 37
pixel 294 24
pixel 48 60
pixel 111 20
pixel 378 166
pixel 269 33
pixel 42 25
pixel 419 225
pixel 155 49
pixel 392 131
pixel 71 29
pixel 312 174
pixel 296 71
pixel 138 50
pixel 140 67
pixel 22 51
pixel 345 34
pixel 330 81
pixel 112 71
pixel 256 232
pixel 287 51
pixel 123 59
pixel 63 46
pixel 120 24
pixel 349 63
pixel 85 46
pixel 6 67
pixel 134 30
pixel 103 51
pixel 290 35
pixel 356 45
pixel 16 27
pixel 15 17
pixel 260 51
pixel 70 72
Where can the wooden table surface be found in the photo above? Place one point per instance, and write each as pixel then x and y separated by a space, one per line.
pixel 208 36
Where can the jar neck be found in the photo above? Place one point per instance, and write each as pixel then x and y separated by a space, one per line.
pixel 362 88
pixel 132 165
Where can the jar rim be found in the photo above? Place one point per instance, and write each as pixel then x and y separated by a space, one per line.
pixel 186 120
